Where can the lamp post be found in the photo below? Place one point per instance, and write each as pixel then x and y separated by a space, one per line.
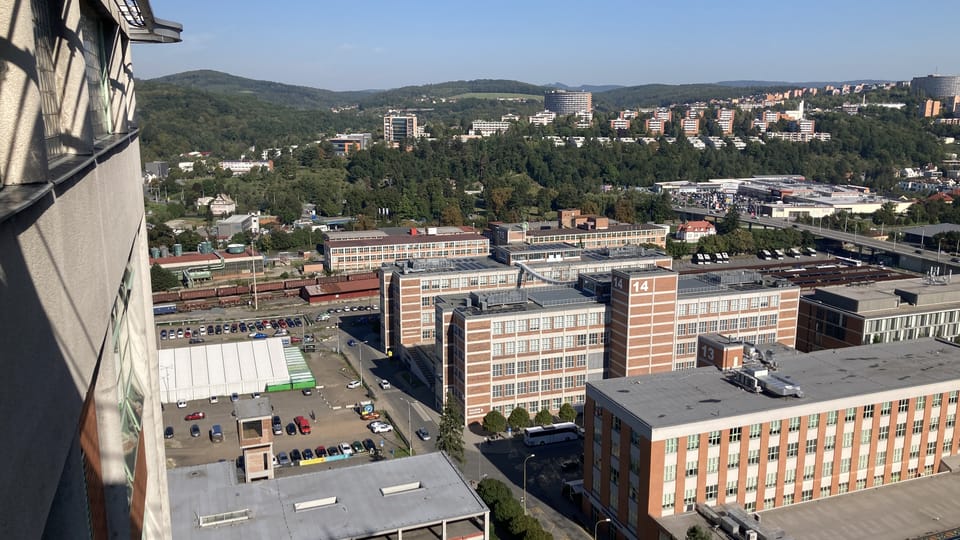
pixel 362 343
pixel 409 430
pixel 525 482
pixel 337 331
pixel 597 526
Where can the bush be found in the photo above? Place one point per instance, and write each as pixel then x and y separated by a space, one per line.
pixel 493 491
pixel 521 524
pixel 494 422
pixel 506 510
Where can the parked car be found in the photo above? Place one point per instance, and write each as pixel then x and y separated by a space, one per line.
pixel 353 384
pixel 352 343
pixel 384 384
pixel 277 426
pixel 333 450
pixel 295 455
pixel 194 341
pixel 298 322
pixel 168 432
pixel 243 327
pixel 291 429
pixel 303 424
pixel 380 427
pixel 210 330
pixel 196 415
pixel 179 332
pixel 218 329
pixel 357 447
pixel 345 449
pixel 216 433
pixel 255 395
pixel 369 445
pixel 283 459
pixel 258 335
pixel 373 415
pixel 306 392
pixel 234 397
pixel 181 404
pixel 321 451
pixel 214 399
pixel 307 453
pixel 163 334
pixel 423 434
pixel 194 430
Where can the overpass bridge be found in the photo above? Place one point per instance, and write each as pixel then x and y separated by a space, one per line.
pixel 906 256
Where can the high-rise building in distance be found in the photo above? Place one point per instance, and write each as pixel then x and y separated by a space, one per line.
pixel 936 86
pixel 563 102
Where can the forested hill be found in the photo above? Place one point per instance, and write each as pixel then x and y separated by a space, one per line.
pixel 288 95
pixel 303 97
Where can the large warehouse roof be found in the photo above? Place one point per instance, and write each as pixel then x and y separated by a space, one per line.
pixel 220 369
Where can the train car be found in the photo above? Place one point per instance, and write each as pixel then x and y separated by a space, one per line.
pixel 164 297
pixel 227 301
pixel 194 305
pixel 297 283
pixel 269 286
pixel 193 294
pixel 243 289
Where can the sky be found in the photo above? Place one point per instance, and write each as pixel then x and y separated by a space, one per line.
pixel 374 44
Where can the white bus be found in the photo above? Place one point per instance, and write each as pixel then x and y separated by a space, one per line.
pixel 554 433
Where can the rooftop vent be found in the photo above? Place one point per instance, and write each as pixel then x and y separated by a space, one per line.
pixel 400 488
pixel 315 503
pixel 224 518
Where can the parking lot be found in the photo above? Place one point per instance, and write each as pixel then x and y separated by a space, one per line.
pixel 330 408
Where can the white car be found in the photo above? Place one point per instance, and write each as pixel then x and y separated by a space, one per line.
pixel 353 384
pixel 384 384
pixel 380 427
pixel 345 449
pixel 214 399
pixel 181 404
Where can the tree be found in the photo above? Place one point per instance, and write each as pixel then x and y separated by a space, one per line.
pixel 451 215
pixel 493 491
pixel 519 419
pixel 677 250
pixel 730 222
pixel 696 532
pixel 543 417
pixel 567 413
pixel 519 525
pixel 162 279
pixel 450 438
pixel 494 422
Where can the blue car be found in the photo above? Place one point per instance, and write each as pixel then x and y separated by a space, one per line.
pixel 352 343
pixel 258 335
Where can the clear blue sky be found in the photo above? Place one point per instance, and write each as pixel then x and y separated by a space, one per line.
pixel 387 44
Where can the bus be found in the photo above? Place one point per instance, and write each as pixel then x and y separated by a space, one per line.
pixel 164 309
pixel 554 433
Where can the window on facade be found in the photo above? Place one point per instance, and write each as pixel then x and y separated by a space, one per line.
pixel 670 446
pixel 903 406
pixel 881 458
pixel 753 457
pixel 669 473
pixel 901 429
pixel 848 439
pixel 771 480
pixel 693 442
pixel 850 414
pixel 868 411
pixel 755 431
pixel 734 434
pixel 731 488
pixel 733 460
pixel 793 449
pixel 773 453
pixel 827 469
pixel 691 468
pixel 794 424
pixel 774 427
pixel 713 464
pixel 668 501
pixel 937 399
pixel 813 421
pixel 885 408
pixel 714 438
pixel 711 492
pixel 832 418
pixel 808 472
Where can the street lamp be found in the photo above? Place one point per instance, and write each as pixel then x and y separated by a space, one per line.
pixel 597 525
pixel 362 343
pixel 525 482
pixel 409 430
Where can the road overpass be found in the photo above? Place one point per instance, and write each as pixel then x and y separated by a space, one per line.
pixel 906 256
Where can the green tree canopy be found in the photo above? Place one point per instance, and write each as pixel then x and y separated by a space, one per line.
pixel 450 437
pixel 494 422
pixel 519 419
pixel 162 279
pixel 543 417
pixel 567 413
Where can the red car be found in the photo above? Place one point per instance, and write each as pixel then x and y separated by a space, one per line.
pixel 198 415
pixel 303 424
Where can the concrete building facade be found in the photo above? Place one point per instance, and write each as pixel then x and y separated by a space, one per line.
pixel 656 315
pixel 657 445
pixel 75 281
pixel 881 312
pixel 367 250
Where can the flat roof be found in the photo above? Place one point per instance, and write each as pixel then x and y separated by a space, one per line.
pixel 908 509
pixel 430 489
pixel 704 394
pixel 894 297
pixel 538 299
pixel 613 228
pixel 488 263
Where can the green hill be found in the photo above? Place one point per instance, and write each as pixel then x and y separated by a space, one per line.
pixel 288 95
